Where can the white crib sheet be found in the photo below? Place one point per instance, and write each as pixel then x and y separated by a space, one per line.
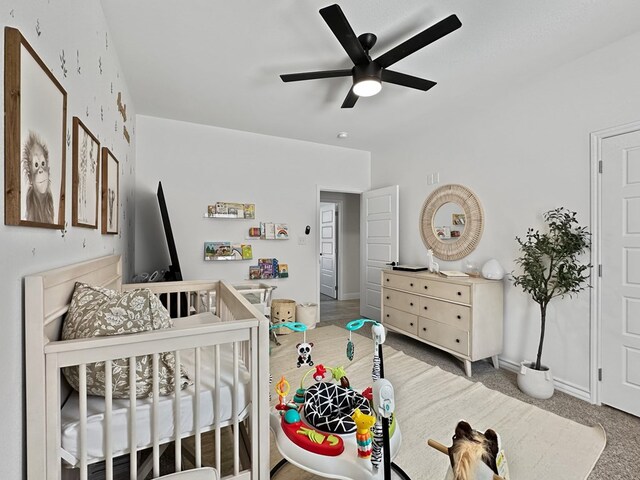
pixel 120 412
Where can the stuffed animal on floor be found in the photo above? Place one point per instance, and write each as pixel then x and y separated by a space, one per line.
pixel 304 354
pixel 471 447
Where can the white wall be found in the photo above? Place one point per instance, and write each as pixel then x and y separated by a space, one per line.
pixel 522 154
pixel 200 165
pixel 348 243
pixel 79 30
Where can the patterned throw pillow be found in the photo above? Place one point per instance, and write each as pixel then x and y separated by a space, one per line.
pixel 96 312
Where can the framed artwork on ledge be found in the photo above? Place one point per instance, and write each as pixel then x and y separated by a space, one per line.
pixel 86 176
pixel 35 138
pixel 110 192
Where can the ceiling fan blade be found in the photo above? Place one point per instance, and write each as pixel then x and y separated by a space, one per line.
pixel 405 80
pixel 350 100
pixel 344 33
pixel 422 39
pixel 296 77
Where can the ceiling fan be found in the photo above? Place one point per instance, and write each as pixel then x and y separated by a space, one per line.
pixel 369 74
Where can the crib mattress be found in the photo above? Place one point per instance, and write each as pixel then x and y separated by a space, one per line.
pixel 165 423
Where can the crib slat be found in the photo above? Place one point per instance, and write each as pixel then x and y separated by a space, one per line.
pixel 108 404
pixel 82 394
pixel 255 401
pixel 177 430
pixel 217 385
pixel 133 442
pixel 154 416
pixel 234 409
pixel 196 414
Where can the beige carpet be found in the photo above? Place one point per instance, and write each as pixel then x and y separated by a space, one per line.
pixel 429 403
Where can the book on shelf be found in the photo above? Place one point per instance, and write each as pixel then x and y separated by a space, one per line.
pixel 267 231
pixel 283 270
pixel 266 267
pixel 247 252
pixel 249 210
pixel 453 273
pixel 254 272
pixel 282 231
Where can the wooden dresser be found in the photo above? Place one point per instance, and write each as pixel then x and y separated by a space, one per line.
pixel 460 315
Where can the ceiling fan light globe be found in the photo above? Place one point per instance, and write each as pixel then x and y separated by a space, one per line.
pixel 367 88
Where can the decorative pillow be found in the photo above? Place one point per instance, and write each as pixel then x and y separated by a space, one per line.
pixel 328 407
pixel 96 312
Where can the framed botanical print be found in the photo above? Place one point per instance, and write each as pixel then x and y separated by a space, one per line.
pixel 85 177
pixel 35 138
pixel 110 192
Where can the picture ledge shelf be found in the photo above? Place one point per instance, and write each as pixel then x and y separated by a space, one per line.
pixel 226 215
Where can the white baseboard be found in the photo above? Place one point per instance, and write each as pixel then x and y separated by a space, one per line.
pixel 559 384
pixel 350 296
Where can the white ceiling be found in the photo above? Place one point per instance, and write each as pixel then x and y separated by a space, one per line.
pixel 217 62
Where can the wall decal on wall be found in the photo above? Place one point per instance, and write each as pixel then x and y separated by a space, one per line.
pixel 116 127
pixel 78 62
pixel 100 65
pixel 68 138
pixel 33 252
pixel 63 230
pixel 106 41
pixel 125 132
pixel 84 243
pixel 12 14
pixel 111 87
pixel 101 113
pixel 87 114
pixel 122 108
pixel 38 30
pixel 63 64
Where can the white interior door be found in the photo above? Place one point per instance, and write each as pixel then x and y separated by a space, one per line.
pixel 620 282
pixel 328 257
pixel 379 244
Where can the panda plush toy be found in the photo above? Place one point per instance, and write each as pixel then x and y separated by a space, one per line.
pixel 304 354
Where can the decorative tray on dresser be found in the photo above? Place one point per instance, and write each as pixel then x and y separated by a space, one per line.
pixel 460 315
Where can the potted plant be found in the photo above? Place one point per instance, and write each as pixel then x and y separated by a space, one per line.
pixel 550 268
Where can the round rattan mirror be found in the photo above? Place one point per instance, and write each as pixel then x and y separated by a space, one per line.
pixel 451 222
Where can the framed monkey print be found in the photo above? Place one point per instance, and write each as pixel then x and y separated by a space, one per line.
pixel 110 192
pixel 35 138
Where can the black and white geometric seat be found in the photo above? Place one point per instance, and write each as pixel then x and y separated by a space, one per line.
pixel 328 407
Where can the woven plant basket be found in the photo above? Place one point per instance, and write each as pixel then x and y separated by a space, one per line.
pixel 283 310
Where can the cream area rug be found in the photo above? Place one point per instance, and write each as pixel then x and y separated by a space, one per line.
pixel 430 402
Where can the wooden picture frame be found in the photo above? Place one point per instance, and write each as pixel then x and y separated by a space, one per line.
pixel 110 192
pixel 85 176
pixel 35 129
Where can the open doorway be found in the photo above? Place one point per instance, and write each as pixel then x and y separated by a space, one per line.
pixel 339 250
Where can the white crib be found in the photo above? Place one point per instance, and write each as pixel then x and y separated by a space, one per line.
pixel 226 355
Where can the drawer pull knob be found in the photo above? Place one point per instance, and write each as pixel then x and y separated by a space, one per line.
pixel 426 288
pixel 459 317
pixel 426 308
pixel 387 297
pixel 411 324
pixel 387 315
pixel 457 340
pixel 411 284
pixel 424 329
pixel 387 279
pixel 460 293
pixel 411 304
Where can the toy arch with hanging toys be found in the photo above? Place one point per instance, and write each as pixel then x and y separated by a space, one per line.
pixel 331 430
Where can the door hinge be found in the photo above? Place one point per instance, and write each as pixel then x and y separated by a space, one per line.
pixel 600 270
pixel 336 288
pixel 600 166
pixel 599 374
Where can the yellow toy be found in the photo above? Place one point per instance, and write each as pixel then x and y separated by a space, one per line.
pixel 363 436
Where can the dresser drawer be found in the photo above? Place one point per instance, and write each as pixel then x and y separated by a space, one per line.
pixel 400 300
pixel 407 322
pixel 447 291
pixel 444 335
pixel 401 282
pixel 458 316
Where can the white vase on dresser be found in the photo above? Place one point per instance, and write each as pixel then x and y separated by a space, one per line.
pixel 460 315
